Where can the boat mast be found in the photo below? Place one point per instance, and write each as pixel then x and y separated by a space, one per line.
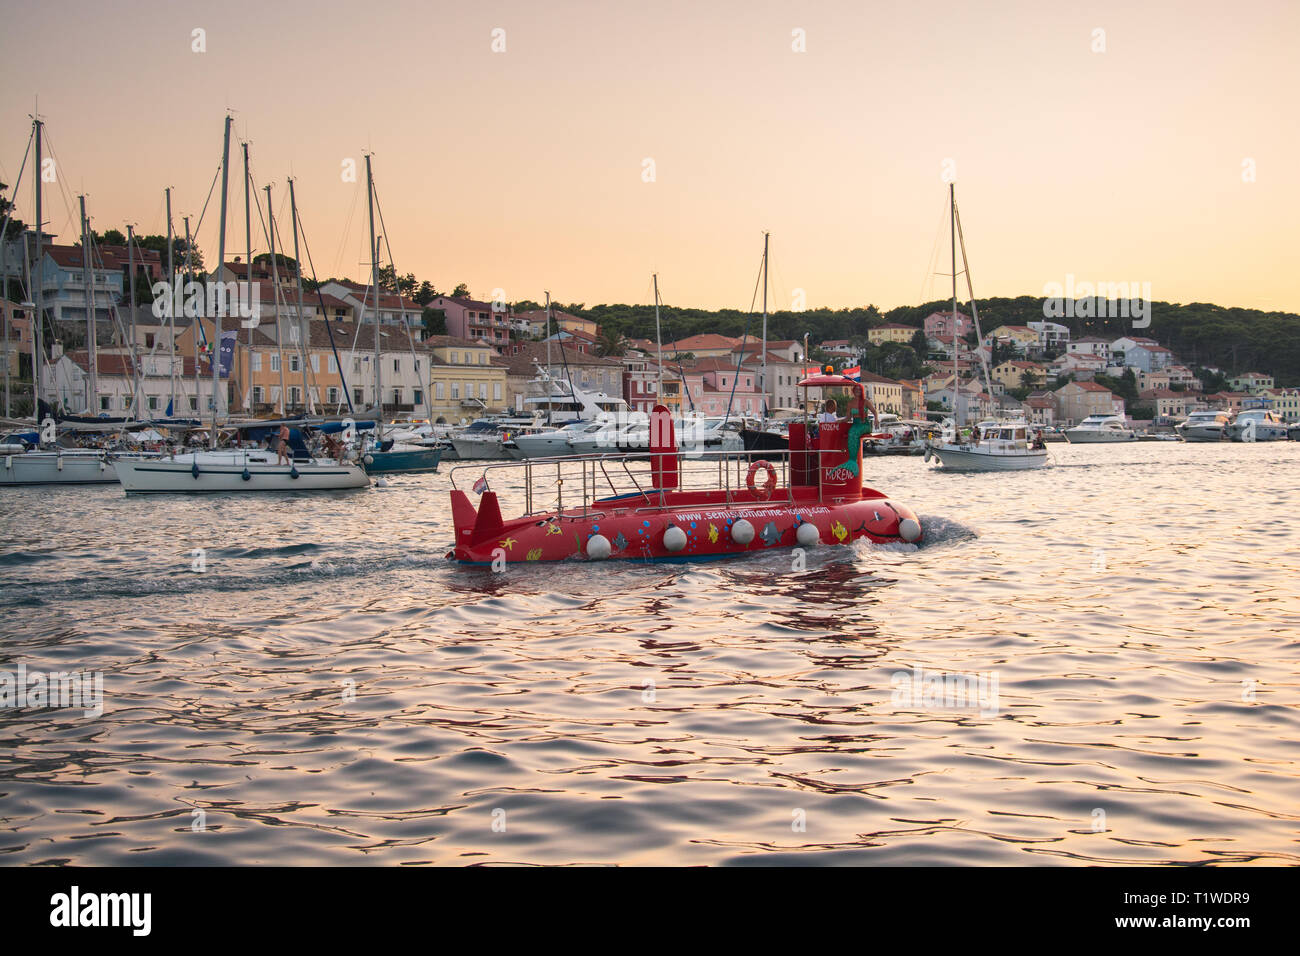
pixel 304 326
pixel 659 340
pixel 38 339
pixel 248 244
pixel 91 336
pixel 171 280
pixel 196 323
pixel 215 344
pixel 956 380
pixel 275 292
pixel 135 375
pixel 763 409
pixel 550 375
pixel 374 281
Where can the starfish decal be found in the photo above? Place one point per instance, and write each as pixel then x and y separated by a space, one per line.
pixel 508 543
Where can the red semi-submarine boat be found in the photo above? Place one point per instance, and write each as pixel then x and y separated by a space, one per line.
pixel 657 514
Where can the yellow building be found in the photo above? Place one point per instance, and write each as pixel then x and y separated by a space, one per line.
pixel 1020 336
pixel 464 379
pixel 891 332
pixel 1011 374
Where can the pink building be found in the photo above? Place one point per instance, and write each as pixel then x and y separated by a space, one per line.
pixel 476 321
pixel 945 323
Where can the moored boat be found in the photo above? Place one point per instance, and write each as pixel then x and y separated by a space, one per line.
pixel 236 470
pixel 1257 424
pixel 1203 426
pixel 1100 429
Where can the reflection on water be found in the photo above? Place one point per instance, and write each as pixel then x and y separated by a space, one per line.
pixel 330 689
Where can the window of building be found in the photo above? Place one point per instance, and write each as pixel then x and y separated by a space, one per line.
pixel 295 395
pixel 482 358
pixel 356 365
pixel 315 364
pixel 417 396
pixel 439 391
pixel 258 394
pixel 482 391
pixel 295 363
pixel 455 358
pixel 455 390
pixel 194 404
pixel 332 395
pixel 275 363
pixel 256 361
pixel 356 397
pixel 496 391
pixel 106 404
pixel 333 366
pixel 397 365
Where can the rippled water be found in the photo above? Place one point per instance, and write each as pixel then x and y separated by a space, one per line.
pixel 1137 605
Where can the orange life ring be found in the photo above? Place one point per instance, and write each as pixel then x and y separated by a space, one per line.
pixel 768 487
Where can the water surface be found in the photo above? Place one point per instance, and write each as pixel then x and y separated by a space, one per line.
pixel 329 689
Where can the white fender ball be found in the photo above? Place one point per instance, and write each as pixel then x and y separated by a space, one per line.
pixel 909 529
pixel 598 547
pixel 674 539
pixel 369 459
pixel 381 482
pixel 808 535
pixel 742 532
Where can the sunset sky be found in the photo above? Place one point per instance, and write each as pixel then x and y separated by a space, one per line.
pixel 524 170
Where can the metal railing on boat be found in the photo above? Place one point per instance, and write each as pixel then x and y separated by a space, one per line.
pixel 724 471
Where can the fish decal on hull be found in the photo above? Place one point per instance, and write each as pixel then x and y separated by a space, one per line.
pixel 770 534
pixel 619 542
pixel 839 531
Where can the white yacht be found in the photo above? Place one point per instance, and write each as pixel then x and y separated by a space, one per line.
pixel 1002 446
pixel 1203 426
pixel 1099 429
pixel 1257 424
pixel 549 444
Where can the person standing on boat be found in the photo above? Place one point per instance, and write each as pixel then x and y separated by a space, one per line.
pixel 282 446
pixel 828 412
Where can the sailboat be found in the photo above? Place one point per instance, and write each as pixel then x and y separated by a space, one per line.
pixel 233 469
pixel 389 457
pixel 1002 445
pixel 31 454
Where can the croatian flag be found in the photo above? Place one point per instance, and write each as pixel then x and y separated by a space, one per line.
pixel 481 485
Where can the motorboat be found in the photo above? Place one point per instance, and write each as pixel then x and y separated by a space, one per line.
pixel 1100 429
pixel 671 506
pixel 999 446
pixel 547 444
pixel 1257 424
pixel 897 436
pixel 1204 426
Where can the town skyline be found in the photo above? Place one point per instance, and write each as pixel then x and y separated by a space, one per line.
pixel 517 160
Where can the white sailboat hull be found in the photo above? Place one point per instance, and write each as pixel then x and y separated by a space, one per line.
pixel 55 468
pixel 224 472
pixel 970 458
